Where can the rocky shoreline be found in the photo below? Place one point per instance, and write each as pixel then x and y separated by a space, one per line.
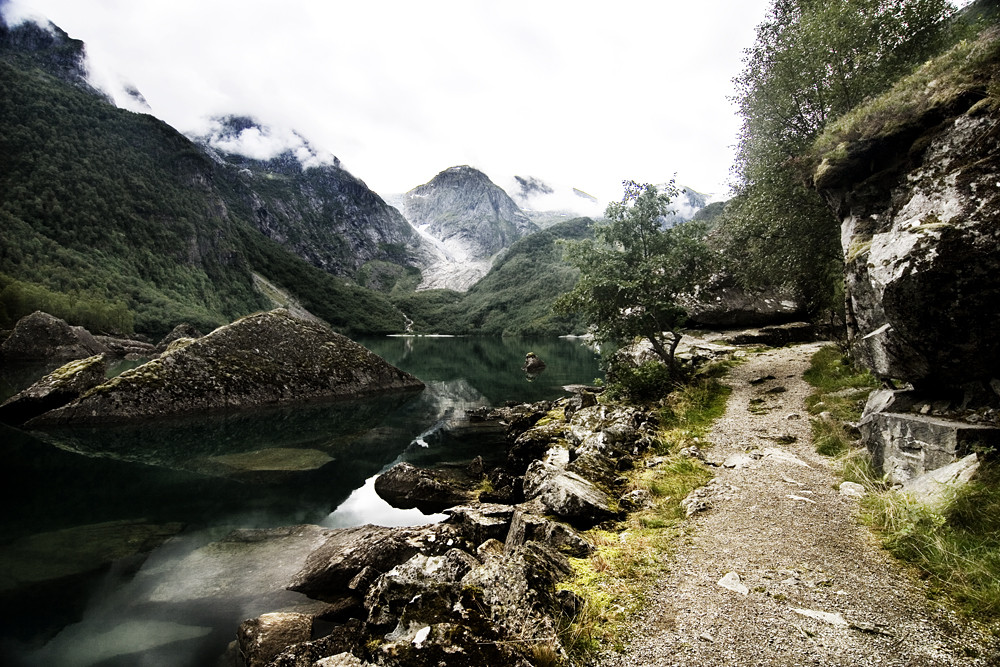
pixel 482 586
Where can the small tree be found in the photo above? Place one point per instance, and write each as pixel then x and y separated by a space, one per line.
pixel 633 272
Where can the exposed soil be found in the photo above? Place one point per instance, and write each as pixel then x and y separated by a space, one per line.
pixel 778 522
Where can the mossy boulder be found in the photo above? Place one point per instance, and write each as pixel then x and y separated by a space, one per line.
pixel 56 389
pixel 264 359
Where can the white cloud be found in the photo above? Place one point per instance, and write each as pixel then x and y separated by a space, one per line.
pixel 586 93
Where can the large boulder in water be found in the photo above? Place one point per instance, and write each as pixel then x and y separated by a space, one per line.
pixel 43 337
pixel 263 359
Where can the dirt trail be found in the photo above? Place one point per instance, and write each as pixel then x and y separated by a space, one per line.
pixel 797 547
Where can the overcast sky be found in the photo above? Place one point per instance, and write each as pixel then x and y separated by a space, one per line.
pixel 577 93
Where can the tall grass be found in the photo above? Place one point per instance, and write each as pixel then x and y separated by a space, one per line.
pixel 957 550
pixel 839 397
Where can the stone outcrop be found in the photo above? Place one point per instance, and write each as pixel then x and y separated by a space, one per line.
pixel 480 587
pixel 406 486
pixel 919 207
pixel 908 438
pixel 65 384
pixel 913 182
pixel 264 359
pixel 43 337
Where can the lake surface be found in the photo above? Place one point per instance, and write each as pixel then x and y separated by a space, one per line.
pixel 112 551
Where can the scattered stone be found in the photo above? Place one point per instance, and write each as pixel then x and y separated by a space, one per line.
pixel 762 379
pixel 784 457
pixel 835 619
pixel 776 390
pixel 938 487
pixel 788 479
pixel 705 637
pixel 738 460
pixel 852 489
pixel 801 498
pixel 732 582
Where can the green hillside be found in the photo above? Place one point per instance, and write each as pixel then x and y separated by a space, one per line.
pixel 114 220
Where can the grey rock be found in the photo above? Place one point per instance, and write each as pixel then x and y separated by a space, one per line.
pixel 329 570
pixel 481 521
pixel 61 386
pixel 723 304
pixel 263 359
pixel 567 495
pixel 905 446
pixel 42 337
pixel 731 581
pixel 528 525
pixel 182 330
pixel 517 589
pixel 922 230
pixel 938 487
pixel 852 489
pixel 406 486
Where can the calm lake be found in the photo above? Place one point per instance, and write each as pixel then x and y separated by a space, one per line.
pixel 113 549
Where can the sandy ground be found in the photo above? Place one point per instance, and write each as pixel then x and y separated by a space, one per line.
pixel 777 521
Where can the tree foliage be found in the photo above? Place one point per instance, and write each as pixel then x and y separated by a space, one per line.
pixel 633 272
pixel 813 61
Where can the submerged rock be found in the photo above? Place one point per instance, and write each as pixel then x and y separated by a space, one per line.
pixel 261 639
pixel 263 359
pixel 61 386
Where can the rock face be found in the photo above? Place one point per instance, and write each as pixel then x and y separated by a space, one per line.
pixel 323 214
pixel 42 337
pixel 56 389
pixel 469 219
pixel 268 358
pixel 921 243
pixel 914 184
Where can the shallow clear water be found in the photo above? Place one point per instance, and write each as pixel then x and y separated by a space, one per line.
pixel 110 551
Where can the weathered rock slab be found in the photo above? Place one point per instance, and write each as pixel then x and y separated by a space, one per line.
pixel 406 486
pixel 904 446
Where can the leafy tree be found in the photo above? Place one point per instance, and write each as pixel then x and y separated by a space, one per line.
pixel 813 61
pixel 633 272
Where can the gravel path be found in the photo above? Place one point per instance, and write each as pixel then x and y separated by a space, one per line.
pixel 819 590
